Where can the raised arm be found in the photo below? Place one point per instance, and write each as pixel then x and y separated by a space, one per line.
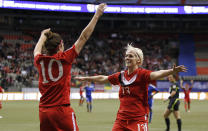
pixel 98 79
pixel 163 73
pixel 86 33
pixel 192 84
pixel 41 41
pixel 181 84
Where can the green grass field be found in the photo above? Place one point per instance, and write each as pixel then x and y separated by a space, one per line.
pixel 23 116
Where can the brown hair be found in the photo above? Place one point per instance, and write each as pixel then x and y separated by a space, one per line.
pixel 52 42
pixel 175 76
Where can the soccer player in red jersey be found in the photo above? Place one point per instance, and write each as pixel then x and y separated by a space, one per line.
pixel 1 91
pixel 81 89
pixel 187 89
pixel 133 93
pixel 54 67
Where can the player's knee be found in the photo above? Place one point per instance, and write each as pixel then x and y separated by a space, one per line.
pixel 165 115
pixel 178 116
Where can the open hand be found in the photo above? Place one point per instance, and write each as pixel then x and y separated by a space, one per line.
pixel 180 68
pixel 46 31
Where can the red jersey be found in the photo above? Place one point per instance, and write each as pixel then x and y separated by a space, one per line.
pixel 186 92
pixel 81 90
pixel 54 77
pixel 133 97
pixel 1 89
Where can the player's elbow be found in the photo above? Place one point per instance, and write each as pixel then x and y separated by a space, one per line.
pixel 103 79
pixel 84 36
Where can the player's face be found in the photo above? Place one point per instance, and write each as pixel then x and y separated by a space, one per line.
pixel 131 59
pixel 186 86
pixel 88 83
pixel 171 78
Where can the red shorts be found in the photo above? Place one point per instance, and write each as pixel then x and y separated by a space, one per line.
pixel 187 100
pixel 58 118
pixel 130 125
pixel 0 105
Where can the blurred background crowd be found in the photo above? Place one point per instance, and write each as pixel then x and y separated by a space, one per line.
pixel 103 54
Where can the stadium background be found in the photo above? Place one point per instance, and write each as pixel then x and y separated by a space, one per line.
pixel 165 39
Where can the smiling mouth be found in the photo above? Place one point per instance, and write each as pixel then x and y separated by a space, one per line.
pixel 128 62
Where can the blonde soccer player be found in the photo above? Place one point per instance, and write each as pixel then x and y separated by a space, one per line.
pixel 133 93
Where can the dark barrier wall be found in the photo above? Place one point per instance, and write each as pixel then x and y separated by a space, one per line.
pixel 186 54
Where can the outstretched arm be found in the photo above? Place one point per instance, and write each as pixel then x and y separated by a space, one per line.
pixel 163 73
pixel 41 41
pixel 98 79
pixel 86 33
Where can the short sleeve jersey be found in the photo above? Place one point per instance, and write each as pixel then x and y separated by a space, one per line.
pixel 88 90
pixel 134 97
pixel 174 87
pixel 54 77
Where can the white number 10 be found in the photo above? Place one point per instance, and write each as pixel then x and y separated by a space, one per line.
pixel 60 68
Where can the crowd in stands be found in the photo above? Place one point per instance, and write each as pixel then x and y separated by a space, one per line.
pixel 103 54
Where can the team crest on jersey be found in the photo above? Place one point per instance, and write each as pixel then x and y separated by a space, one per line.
pixel 174 86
